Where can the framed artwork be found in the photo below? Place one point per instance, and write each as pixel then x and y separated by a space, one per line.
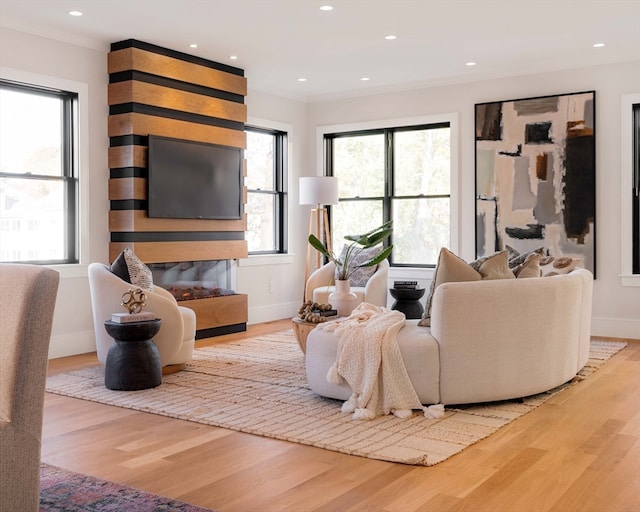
pixel 536 176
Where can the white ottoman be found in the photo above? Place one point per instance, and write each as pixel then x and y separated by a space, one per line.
pixel 419 350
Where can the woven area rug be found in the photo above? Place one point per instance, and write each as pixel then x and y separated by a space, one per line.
pixel 66 491
pixel 259 386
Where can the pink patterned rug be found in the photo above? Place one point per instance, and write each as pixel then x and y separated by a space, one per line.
pixel 66 491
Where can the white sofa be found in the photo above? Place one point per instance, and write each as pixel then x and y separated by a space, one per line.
pixel 321 283
pixel 488 340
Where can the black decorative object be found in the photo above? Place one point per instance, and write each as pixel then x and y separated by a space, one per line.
pixel 408 301
pixel 133 361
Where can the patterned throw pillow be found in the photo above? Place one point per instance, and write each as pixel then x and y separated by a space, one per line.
pixel 516 258
pixel 362 275
pixel 128 267
pixel 550 266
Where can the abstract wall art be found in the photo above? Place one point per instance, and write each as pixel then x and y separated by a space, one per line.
pixel 535 176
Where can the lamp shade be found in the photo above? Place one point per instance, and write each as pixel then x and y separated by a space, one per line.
pixel 319 190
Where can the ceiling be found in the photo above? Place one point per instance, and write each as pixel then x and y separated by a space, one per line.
pixel 279 41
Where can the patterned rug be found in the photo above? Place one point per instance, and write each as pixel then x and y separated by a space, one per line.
pixel 259 386
pixel 66 491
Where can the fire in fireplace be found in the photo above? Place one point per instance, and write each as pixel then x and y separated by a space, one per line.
pixel 194 279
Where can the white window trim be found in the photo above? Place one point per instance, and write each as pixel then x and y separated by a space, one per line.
pixel 81 145
pixel 283 258
pixel 451 118
pixel 627 277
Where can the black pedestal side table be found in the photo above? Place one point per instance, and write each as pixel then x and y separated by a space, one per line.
pixel 133 361
pixel 408 301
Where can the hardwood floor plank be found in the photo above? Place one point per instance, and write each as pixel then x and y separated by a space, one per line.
pixel 580 451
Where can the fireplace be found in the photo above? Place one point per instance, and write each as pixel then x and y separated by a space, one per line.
pixel 206 287
pixel 195 279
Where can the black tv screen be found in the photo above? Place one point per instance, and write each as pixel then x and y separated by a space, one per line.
pixel 194 180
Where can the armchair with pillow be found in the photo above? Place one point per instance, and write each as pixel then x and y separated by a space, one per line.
pixel 371 288
pixel 176 338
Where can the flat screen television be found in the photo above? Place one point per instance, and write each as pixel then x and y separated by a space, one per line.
pixel 193 180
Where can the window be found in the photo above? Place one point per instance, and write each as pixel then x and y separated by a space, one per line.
pixel 635 192
pixel 630 195
pixel 38 182
pixel 266 179
pixel 401 174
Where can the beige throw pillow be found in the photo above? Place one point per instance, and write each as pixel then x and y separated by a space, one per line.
pixel 449 269
pixel 530 267
pixel 496 267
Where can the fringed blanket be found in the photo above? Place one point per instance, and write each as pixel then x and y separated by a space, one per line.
pixel 369 360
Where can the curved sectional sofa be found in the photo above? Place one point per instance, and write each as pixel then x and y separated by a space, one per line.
pixel 488 341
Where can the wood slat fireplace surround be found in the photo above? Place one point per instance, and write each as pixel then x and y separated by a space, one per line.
pixel 157 91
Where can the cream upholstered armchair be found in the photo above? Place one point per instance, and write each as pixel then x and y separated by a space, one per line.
pixel 321 283
pixel 26 314
pixel 176 338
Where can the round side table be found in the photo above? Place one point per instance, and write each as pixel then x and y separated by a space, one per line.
pixel 133 361
pixel 408 301
pixel 301 329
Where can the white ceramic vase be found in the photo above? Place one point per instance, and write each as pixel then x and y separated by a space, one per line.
pixel 343 299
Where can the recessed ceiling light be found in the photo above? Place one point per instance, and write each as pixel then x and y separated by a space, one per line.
pixel 326 7
pixel 302 79
pixel 233 57
pixel 365 79
pixel 75 13
pixel 469 63
pixel 193 45
pixel 598 45
pixel 390 37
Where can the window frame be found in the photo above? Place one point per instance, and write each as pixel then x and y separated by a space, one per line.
pixel 628 277
pixel 280 180
pixel 69 176
pixel 398 125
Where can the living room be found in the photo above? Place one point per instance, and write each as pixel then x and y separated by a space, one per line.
pixel 29 52
pixel 615 310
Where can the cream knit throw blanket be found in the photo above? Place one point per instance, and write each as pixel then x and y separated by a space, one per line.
pixel 369 360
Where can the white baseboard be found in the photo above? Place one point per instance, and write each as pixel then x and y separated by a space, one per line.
pixel 72 344
pixel 272 312
pixel 616 327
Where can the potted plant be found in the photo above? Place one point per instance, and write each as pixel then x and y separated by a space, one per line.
pixel 358 243
pixel 343 299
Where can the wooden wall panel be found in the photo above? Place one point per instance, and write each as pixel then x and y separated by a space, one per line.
pixel 127 188
pixel 127 156
pixel 138 221
pixel 167 252
pixel 218 311
pixel 156 91
pixel 165 97
pixel 133 123
pixel 161 65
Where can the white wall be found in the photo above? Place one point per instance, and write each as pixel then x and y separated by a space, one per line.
pixel 616 310
pixel 274 283
pixel 72 331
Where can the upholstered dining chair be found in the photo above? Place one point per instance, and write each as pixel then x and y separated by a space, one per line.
pixel 176 337
pixel 27 303
pixel 322 282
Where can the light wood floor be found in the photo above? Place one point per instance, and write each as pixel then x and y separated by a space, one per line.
pixel 578 452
